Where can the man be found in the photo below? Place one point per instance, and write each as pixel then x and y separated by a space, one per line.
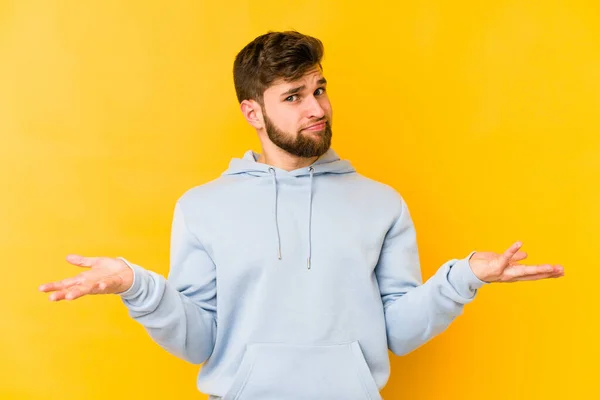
pixel 291 274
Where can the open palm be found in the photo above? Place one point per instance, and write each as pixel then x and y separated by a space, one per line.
pixel 104 276
pixel 506 267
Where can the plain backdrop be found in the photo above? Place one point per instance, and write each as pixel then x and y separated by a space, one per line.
pixel 484 115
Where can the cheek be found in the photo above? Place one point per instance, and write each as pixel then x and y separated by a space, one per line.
pixel 326 106
pixel 285 121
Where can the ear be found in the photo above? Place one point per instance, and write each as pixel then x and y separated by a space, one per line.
pixel 253 113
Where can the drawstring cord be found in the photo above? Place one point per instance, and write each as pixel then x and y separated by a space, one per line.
pixel 274 180
pixel 272 171
pixel 311 170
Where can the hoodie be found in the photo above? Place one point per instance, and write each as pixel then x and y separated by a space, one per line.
pixel 294 284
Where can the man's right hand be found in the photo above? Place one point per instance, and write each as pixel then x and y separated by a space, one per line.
pixel 104 276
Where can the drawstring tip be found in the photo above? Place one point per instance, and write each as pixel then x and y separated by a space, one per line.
pixel 308 263
pixel 279 254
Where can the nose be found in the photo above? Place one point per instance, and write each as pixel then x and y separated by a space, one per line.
pixel 314 108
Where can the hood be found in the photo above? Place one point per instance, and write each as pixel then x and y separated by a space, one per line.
pixel 328 163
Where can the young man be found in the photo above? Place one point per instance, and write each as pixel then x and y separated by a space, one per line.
pixel 291 274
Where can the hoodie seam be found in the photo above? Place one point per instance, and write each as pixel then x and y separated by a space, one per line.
pixel 395 222
pixel 193 234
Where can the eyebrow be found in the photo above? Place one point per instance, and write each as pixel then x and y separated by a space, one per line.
pixel 295 90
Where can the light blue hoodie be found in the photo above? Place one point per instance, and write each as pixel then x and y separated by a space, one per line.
pixel 293 285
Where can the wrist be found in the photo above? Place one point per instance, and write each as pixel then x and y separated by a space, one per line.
pixel 476 270
pixel 127 276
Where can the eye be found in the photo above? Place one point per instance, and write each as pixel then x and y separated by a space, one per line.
pixel 319 91
pixel 291 98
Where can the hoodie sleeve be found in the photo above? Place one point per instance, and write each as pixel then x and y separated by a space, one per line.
pixel 179 314
pixel 415 312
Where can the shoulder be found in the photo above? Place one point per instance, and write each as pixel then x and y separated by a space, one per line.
pixel 379 191
pixel 206 193
pixel 373 197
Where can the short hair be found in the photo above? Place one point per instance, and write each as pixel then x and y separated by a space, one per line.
pixel 284 55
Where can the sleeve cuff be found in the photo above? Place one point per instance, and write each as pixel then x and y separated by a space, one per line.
pixel 462 278
pixel 138 277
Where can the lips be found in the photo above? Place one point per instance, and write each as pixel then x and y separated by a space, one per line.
pixel 316 127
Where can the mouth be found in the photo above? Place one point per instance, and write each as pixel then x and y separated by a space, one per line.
pixel 316 127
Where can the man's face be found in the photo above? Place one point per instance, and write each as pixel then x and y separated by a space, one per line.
pixel 298 115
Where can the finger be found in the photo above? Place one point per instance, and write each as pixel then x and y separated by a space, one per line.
pixel 489 255
pixel 505 257
pixel 70 293
pixel 50 287
pixel 519 270
pixel 76 292
pixel 519 256
pixel 58 295
pixel 59 285
pixel 81 261
pixel 536 277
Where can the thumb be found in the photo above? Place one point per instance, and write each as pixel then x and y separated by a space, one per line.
pixel 81 261
pixel 505 258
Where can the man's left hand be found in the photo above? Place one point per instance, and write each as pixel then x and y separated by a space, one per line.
pixel 494 267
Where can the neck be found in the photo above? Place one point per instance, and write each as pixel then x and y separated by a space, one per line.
pixel 278 158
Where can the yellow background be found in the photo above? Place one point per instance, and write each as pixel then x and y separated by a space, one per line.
pixel 484 115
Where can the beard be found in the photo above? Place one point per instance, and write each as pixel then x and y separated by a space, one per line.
pixel 303 145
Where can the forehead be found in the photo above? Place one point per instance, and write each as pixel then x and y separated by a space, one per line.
pixel 310 77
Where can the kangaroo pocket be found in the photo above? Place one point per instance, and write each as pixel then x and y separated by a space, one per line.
pixel 273 371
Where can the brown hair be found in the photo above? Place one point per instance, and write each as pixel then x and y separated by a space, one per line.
pixel 275 55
